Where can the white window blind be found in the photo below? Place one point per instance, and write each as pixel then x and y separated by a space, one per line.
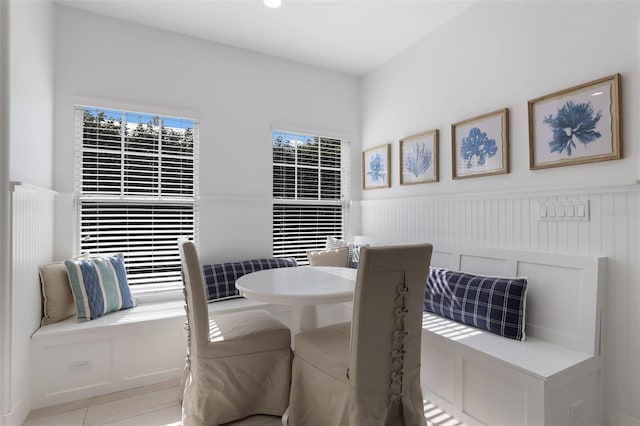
pixel 136 185
pixel 310 192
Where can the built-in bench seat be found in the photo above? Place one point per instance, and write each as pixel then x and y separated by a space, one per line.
pixel 122 350
pixel 134 347
pixel 553 377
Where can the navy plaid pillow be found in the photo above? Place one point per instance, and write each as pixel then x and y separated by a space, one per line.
pixel 220 278
pixel 494 304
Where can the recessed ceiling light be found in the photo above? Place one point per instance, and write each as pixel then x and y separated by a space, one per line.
pixel 273 4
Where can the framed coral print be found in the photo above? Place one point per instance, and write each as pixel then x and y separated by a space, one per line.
pixel 576 125
pixel 480 145
pixel 375 167
pixel 419 158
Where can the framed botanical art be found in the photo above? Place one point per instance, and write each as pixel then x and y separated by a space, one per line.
pixel 375 167
pixel 419 158
pixel 576 125
pixel 480 145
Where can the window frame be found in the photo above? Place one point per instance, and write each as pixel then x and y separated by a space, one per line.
pixel 343 201
pixel 122 199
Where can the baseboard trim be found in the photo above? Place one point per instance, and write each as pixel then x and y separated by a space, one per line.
pixel 17 414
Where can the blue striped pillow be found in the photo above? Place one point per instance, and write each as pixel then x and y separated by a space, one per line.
pixel 99 286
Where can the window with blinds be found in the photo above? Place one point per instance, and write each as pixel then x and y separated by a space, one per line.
pixel 136 186
pixel 309 192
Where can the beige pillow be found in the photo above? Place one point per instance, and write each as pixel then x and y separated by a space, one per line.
pixel 332 257
pixel 57 299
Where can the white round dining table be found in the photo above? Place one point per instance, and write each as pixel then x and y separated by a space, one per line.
pixel 303 287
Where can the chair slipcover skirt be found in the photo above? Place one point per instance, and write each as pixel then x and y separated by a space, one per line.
pixel 367 372
pixel 244 369
pixel 236 387
pixel 238 363
pixel 330 401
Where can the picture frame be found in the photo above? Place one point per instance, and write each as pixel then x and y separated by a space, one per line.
pixel 577 125
pixel 376 167
pixel 419 158
pixel 480 145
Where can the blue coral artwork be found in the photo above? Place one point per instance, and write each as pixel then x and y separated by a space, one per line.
pixel 481 145
pixel 477 148
pixel 418 158
pixel 375 167
pixel 574 122
pixel 577 125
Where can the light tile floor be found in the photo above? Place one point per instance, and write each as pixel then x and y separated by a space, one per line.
pixel 157 405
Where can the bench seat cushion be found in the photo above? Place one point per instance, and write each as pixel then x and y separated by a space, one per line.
pixel 495 304
pixel 220 278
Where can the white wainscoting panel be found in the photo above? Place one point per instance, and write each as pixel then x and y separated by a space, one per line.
pixel 31 246
pixel 512 221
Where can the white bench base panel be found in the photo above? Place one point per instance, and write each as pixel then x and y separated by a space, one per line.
pixel 552 378
pixel 130 348
pixel 123 350
pixel 483 379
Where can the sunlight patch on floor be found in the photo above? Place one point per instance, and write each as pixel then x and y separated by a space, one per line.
pixel 437 417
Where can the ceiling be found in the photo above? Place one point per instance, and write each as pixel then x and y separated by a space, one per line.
pixel 349 36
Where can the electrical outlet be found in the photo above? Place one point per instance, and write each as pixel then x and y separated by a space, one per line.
pixel 79 365
pixel 575 410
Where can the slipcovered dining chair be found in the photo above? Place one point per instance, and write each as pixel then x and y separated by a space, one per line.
pixel 238 364
pixel 367 372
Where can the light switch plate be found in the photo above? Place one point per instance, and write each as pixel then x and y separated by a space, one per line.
pixel 563 211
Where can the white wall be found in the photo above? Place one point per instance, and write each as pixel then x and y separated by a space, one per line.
pixel 5 251
pixel 499 55
pixel 31 68
pixel 236 94
pixel 30 52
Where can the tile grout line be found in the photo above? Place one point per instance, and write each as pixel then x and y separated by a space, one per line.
pixel 142 413
pixel 137 415
pixel 166 398
pixel 99 399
